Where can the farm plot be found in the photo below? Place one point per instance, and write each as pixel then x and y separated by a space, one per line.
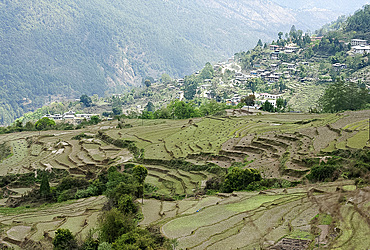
pixel 174 181
pixel 75 215
pixel 264 219
pixel 12 164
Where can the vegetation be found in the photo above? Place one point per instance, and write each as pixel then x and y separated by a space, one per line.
pixel 344 96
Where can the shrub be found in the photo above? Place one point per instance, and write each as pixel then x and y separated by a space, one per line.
pixel 64 240
pixel 323 173
pixel 113 224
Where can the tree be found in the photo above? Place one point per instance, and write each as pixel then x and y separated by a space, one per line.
pixel 95 119
pixel 44 123
pixel 44 186
pixel 182 110
pixel 147 83
pixel 150 107
pixel 190 87
pixel 267 106
pixel 279 103
pixel 113 224
pixel 249 100
pixel 207 72
pixel 259 43
pixel 116 106
pixel 64 240
pixel 140 172
pixel 29 126
pixel 344 96
pixel 126 204
pixel 239 179
pixel 280 34
pixel 86 100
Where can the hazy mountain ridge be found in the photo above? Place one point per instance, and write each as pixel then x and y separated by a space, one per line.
pixel 66 48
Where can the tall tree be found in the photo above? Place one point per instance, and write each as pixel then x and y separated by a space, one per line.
pixel 44 186
pixel 86 100
pixel 140 172
pixel 147 83
pixel 280 34
pixel 259 43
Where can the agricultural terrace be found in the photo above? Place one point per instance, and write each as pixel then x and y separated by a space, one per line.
pixel 177 154
pixel 39 224
pixel 261 220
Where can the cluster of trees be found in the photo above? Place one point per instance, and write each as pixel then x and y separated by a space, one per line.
pixel 360 22
pixel 239 178
pixel 349 164
pixel 329 45
pixel 294 36
pixel 118 225
pixel 184 110
pixel 342 95
pixel 280 106
pixel 46 123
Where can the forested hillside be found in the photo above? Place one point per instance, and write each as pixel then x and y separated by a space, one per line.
pixel 70 47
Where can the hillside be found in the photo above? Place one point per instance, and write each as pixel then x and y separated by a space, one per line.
pixel 182 158
pixel 55 50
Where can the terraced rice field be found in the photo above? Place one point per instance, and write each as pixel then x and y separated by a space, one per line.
pixel 276 144
pixel 40 224
pixel 261 220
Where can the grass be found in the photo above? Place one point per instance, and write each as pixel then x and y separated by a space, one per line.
pixel 324 219
pixel 359 140
pixel 252 203
pixel 300 234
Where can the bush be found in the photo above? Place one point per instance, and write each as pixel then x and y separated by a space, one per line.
pixel 239 179
pixel 66 195
pixel 72 183
pixel 64 240
pixel 105 246
pixel 323 173
pixel 113 224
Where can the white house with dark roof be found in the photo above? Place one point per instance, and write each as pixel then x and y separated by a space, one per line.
pixel 358 42
pixel 361 49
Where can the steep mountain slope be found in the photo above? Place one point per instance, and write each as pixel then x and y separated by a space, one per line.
pixel 66 48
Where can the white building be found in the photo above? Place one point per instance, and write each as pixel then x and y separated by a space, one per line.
pixel 357 42
pixel 361 49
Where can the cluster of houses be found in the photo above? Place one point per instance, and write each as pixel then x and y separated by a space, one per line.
pixel 360 46
pixel 70 115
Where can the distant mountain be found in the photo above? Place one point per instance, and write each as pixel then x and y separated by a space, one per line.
pixel 65 48
pixel 339 7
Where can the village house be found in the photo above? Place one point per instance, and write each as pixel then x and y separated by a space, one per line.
pixel 272 78
pixel 361 49
pixel 274 67
pixel 339 66
pixel 269 96
pixel 274 47
pixel 274 55
pixel 290 49
pixel 180 81
pixel 316 38
pixel 358 42
pixel 205 86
